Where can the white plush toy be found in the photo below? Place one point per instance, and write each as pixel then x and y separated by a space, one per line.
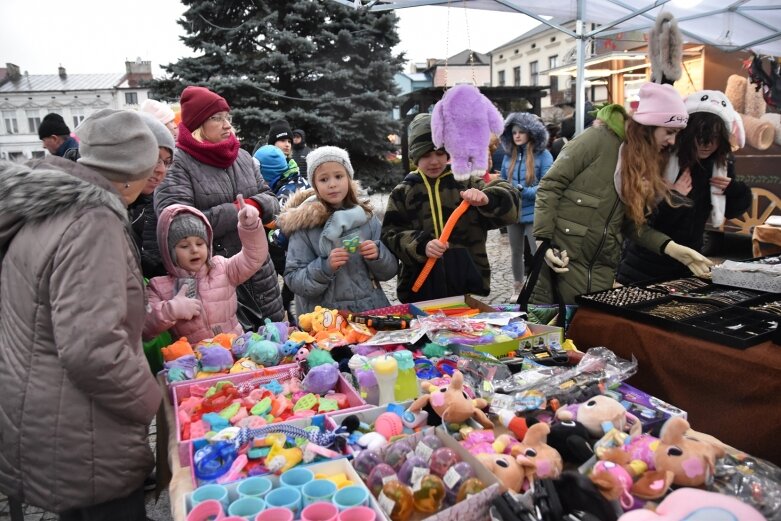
pixel 462 123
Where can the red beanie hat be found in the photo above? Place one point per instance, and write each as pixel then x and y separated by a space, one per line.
pixel 198 104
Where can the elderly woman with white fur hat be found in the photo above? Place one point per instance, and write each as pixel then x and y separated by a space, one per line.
pixel 77 392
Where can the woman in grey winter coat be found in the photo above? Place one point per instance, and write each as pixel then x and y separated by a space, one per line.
pixel 335 258
pixel 209 171
pixel 77 392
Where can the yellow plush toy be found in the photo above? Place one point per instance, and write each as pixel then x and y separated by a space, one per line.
pixel 329 328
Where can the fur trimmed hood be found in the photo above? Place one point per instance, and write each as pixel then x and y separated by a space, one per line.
pixel 49 188
pixel 529 123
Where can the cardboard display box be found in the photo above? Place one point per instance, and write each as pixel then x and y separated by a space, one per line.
pixel 651 411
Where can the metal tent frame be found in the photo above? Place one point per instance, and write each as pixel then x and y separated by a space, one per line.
pixel 731 25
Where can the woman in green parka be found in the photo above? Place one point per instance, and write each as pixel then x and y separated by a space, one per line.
pixel 601 187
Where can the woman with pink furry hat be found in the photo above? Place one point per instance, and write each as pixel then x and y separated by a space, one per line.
pixel 526 160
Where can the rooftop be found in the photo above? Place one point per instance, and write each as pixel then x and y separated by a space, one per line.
pixel 55 82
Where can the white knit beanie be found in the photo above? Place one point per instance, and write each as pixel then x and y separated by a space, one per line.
pixel 322 155
pixel 162 112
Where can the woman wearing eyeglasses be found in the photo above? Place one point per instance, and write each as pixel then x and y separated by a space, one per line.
pixel 210 170
pixel 141 212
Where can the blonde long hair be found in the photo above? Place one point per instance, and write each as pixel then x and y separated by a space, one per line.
pixel 530 177
pixel 642 166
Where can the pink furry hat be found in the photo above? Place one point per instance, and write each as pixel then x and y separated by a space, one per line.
pixel 462 123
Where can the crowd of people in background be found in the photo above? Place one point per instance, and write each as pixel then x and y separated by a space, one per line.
pixel 173 197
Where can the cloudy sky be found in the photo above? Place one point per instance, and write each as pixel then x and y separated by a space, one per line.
pixel 91 36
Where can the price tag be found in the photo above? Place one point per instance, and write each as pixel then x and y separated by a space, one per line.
pixel 386 504
pixel 388 479
pixel 418 474
pixel 424 451
pixel 452 478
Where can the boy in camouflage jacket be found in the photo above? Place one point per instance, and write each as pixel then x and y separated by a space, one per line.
pixel 418 209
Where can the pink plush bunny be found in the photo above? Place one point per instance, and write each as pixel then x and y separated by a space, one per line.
pixel 462 123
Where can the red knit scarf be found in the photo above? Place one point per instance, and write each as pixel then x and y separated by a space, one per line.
pixel 221 155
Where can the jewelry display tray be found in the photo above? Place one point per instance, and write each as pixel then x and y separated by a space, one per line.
pixel 733 325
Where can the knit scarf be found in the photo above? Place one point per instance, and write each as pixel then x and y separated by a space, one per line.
pixel 221 155
pixel 718 200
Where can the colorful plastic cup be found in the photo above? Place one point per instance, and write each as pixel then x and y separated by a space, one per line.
pixel 247 507
pixel 285 497
pixel 351 496
pixel 275 514
pixel 211 491
pixel 318 490
pixel 358 514
pixel 255 486
pixel 205 510
pixel 320 511
pixel 296 477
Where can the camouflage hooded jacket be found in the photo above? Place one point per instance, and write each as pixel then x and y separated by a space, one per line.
pixel 416 213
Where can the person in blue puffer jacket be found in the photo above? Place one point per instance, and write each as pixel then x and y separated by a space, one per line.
pixel 527 159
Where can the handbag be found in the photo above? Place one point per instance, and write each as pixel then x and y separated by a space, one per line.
pixel 557 312
pixel 247 311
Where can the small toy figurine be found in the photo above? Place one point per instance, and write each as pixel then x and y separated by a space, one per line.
pixel 452 404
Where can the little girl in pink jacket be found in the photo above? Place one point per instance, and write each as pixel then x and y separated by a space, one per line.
pixel 197 299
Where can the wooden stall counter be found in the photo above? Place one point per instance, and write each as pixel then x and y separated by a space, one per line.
pixel 732 394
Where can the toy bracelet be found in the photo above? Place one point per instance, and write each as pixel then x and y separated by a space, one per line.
pixel 446 231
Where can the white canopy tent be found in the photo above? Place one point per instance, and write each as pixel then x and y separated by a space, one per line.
pixel 732 25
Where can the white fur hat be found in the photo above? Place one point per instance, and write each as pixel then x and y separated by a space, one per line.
pixel 716 102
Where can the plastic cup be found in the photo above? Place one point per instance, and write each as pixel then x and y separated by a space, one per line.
pixel 247 507
pixel 211 491
pixel 351 496
pixel 275 514
pixel 358 514
pixel 205 510
pixel 318 490
pixel 320 511
pixel 296 477
pixel 285 497
pixel 255 486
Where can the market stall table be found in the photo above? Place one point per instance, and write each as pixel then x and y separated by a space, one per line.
pixel 766 240
pixel 732 394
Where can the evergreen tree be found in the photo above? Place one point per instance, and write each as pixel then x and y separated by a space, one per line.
pixel 324 67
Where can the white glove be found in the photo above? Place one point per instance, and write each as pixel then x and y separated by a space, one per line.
pixel 248 215
pixel 181 307
pixel 695 261
pixel 555 259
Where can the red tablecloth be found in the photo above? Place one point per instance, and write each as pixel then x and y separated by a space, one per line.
pixel 732 394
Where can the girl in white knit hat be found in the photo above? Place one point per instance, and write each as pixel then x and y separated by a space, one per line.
pixel 335 258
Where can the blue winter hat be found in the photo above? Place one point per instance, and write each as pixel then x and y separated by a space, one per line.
pixel 272 163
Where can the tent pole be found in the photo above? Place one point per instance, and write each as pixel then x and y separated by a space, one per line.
pixel 580 102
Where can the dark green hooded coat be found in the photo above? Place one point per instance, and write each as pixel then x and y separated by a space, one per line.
pixel 578 208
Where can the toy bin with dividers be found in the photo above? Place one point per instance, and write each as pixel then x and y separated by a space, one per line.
pixel 338 467
pixel 252 379
pixel 301 423
pixel 280 371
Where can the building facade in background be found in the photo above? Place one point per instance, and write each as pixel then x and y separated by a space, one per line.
pixel 26 98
